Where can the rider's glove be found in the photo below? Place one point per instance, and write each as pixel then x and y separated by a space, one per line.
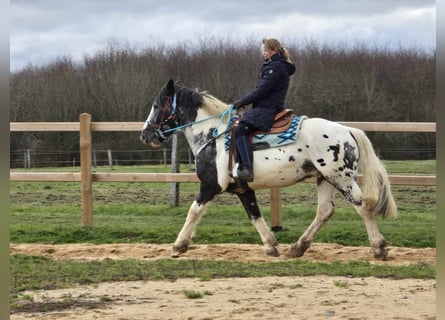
pixel 237 104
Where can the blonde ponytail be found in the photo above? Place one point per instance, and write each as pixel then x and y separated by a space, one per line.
pixel 274 44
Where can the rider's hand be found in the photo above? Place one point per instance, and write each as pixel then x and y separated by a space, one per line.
pixel 237 104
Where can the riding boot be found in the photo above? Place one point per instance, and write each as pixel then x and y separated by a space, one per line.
pixel 245 170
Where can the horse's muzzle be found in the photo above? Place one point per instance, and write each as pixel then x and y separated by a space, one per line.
pixel 143 139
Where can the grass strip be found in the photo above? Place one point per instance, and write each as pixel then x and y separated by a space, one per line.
pixel 37 272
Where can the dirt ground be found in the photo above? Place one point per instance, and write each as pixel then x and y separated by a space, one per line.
pixel 312 298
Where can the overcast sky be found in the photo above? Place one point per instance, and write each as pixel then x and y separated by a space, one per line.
pixel 43 30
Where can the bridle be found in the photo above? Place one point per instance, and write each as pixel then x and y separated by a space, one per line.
pixel 167 125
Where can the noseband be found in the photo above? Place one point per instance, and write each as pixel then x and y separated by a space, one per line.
pixel 169 124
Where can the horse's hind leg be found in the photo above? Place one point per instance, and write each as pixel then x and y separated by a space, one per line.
pixel 377 241
pixel 185 236
pixel 355 196
pixel 248 199
pixel 325 209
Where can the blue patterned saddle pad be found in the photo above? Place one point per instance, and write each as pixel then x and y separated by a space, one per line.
pixel 273 140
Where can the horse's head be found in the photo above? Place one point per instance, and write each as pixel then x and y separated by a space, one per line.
pixel 162 119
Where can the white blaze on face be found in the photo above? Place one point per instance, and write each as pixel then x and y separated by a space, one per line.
pixel 149 118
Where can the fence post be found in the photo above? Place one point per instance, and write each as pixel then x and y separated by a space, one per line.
pixel 28 159
pixel 175 168
pixel 275 209
pixel 110 159
pixel 86 178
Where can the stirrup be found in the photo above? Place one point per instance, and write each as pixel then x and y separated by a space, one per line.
pixel 245 174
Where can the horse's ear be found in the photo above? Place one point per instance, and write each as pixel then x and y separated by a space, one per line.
pixel 170 88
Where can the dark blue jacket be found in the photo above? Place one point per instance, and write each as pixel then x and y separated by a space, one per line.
pixel 270 93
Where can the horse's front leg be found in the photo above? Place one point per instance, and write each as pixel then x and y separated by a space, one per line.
pixel 208 189
pixel 249 202
pixel 184 238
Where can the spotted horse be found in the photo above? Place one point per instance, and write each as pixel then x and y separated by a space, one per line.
pixel 326 150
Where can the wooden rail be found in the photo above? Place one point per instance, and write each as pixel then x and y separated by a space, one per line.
pixel 86 177
pixel 137 126
pixel 417 180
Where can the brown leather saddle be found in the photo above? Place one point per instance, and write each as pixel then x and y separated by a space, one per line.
pixel 282 122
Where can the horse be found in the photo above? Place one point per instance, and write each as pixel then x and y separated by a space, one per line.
pixel 325 150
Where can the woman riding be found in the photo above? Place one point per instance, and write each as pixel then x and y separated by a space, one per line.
pixel 267 99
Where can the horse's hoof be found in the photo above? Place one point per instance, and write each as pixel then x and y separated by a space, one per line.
pixel 178 250
pixel 273 252
pixel 298 250
pixel 381 253
pixel 294 252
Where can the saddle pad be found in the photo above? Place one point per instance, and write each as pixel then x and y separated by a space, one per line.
pixel 273 140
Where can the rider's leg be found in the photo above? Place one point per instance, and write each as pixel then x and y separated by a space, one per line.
pixel 244 147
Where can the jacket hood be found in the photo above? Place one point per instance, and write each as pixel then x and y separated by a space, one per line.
pixel 290 67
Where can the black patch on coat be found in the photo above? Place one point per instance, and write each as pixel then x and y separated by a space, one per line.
pixel 308 166
pixel 199 139
pixel 188 102
pixel 321 162
pixel 349 158
pixel 325 136
pixel 336 151
pixel 207 173
pixel 248 199
pixel 291 159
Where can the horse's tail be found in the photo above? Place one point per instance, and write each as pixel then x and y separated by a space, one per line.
pixel 376 187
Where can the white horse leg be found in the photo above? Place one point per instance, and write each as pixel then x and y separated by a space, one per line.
pixel 248 199
pixel 325 210
pixel 377 241
pixel 184 238
pixel 267 237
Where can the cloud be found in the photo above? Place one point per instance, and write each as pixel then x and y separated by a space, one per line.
pixel 42 30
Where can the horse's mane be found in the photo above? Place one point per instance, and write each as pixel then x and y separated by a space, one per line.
pixel 210 103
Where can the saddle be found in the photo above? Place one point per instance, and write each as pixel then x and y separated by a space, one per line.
pixel 282 122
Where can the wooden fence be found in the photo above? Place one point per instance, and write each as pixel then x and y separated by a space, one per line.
pixel 86 177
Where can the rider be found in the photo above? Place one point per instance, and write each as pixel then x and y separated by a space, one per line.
pixel 267 99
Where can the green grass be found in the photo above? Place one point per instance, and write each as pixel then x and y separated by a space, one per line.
pixel 49 212
pixel 59 274
pixel 411 167
pixel 191 294
pixel 139 212
pixel 222 224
